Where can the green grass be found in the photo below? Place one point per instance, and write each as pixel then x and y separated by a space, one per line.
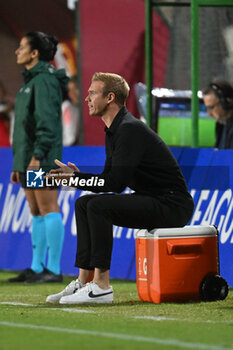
pixel 178 131
pixel 37 325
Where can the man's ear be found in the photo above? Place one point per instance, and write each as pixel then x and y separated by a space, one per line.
pixel 111 97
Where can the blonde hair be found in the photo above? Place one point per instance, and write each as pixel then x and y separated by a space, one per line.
pixel 113 83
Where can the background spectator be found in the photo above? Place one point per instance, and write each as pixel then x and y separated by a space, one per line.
pixel 6 115
pixel 218 100
pixel 70 114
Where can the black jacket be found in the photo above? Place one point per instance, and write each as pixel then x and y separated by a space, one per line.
pixel 137 158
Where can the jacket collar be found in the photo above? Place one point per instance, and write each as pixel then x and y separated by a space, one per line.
pixel 28 74
pixel 116 121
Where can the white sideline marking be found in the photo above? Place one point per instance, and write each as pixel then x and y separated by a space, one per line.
pixel 52 308
pixel 22 295
pixel 15 303
pixel 158 318
pixel 75 310
pixel 164 318
pixel 167 342
pixel 152 318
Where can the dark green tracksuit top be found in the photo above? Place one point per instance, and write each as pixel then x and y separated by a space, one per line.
pixel 38 123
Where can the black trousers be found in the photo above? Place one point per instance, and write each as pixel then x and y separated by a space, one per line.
pixel 97 213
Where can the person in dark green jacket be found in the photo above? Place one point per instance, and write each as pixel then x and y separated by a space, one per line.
pixel 37 141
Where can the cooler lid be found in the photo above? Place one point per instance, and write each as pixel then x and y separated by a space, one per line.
pixel 187 231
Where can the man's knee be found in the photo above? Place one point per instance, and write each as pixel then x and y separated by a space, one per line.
pixel 81 202
pixel 97 205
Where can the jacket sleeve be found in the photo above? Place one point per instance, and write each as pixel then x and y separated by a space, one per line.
pixel 47 113
pixel 120 169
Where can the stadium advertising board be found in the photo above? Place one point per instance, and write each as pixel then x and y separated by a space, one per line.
pixel 209 177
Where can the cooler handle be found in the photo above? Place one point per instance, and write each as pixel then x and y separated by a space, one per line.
pixel 184 248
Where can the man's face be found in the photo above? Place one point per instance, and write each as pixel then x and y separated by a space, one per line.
pixel 97 103
pixel 214 108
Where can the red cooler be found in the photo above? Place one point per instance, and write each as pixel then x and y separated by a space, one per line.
pixel 171 263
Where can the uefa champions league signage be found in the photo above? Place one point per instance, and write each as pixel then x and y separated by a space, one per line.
pixel 209 177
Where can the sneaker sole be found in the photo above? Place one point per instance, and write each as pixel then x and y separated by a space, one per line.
pixel 89 301
pixel 53 301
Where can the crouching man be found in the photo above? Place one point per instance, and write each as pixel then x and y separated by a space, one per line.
pixel 137 158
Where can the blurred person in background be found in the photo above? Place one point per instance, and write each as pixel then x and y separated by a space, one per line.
pixel 6 116
pixel 218 100
pixel 70 114
pixel 37 140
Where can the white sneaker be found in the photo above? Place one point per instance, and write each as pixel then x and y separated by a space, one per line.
pixel 90 293
pixel 69 290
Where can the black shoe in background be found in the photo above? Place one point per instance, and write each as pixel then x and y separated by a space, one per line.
pixel 23 276
pixel 45 276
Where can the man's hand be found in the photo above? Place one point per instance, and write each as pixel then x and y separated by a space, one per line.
pixel 71 165
pixel 64 172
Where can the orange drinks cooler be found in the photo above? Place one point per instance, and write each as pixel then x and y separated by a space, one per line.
pixel 172 262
